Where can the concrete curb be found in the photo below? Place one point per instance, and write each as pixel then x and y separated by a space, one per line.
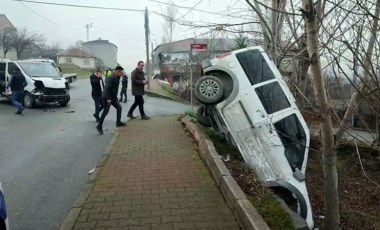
pixel 73 215
pixel 245 213
pixel 154 94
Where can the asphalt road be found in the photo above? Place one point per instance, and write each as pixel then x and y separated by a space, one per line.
pixel 45 155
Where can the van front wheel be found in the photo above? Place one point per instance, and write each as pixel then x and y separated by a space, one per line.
pixel 29 101
pixel 209 90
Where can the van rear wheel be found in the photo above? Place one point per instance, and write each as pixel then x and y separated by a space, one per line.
pixel 29 101
pixel 202 116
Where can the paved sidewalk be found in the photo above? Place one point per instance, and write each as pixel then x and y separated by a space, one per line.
pixel 154 179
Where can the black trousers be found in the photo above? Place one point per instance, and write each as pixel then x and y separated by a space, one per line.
pixel 114 103
pixel 123 91
pixel 98 105
pixel 139 101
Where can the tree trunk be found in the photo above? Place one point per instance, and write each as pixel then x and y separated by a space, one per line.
pixel 331 195
pixel 367 68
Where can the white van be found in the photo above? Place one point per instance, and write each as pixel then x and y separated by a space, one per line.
pixel 45 83
pixel 246 100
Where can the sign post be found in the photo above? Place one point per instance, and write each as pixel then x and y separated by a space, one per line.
pixel 195 47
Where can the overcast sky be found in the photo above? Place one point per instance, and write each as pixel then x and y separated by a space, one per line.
pixel 66 25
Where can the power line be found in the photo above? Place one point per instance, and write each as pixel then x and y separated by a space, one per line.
pixel 72 28
pixel 191 8
pixel 79 6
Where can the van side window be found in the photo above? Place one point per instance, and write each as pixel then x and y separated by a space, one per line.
pixel 272 97
pixel 11 67
pixel 293 138
pixel 2 71
pixel 255 66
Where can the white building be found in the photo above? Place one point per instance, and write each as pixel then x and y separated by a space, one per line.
pixel 103 50
pixel 77 57
pixel 6 24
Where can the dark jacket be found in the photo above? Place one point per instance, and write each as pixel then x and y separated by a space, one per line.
pixel 112 87
pixel 137 77
pixel 97 84
pixel 17 82
pixel 124 81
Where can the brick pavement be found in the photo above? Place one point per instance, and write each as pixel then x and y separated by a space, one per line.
pixel 154 179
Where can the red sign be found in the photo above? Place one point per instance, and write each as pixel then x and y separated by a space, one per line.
pixel 198 47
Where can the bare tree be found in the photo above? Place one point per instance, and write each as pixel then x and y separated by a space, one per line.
pixel 331 195
pixel 26 40
pixel 7 39
pixel 170 20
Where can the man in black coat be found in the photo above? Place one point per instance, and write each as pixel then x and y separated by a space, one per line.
pixel 16 86
pixel 97 85
pixel 138 83
pixel 109 98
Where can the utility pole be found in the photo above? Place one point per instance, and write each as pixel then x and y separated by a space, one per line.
pixel 88 26
pixel 152 60
pixel 147 44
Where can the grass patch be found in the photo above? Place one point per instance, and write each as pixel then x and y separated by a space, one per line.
pixel 190 114
pixel 70 68
pixel 270 209
pixel 261 197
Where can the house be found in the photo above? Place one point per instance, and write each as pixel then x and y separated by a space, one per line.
pixel 172 60
pixel 103 50
pixel 5 27
pixel 78 57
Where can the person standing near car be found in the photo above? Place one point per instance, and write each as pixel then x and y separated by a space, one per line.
pixel 124 86
pixel 110 98
pixel 138 84
pixel 16 87
pixel 97 85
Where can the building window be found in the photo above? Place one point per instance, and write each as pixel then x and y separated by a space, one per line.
pixel 86 61
pixel 68 60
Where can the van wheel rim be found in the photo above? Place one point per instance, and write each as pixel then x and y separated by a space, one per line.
pixel 209 88
pixel 27 100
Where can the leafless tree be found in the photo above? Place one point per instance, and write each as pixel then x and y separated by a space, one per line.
pixel 169 25
pixel 7 39
pixel 24 40
pixel 331 195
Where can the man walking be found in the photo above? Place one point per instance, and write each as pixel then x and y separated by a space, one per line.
pixel 110 98
pixel 16 85
pixel 124 86
pixel 97 85
pixel 138 83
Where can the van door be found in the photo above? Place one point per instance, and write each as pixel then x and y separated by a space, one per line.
pixel 3 81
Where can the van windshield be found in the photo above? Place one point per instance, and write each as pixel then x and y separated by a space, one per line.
pixel 40 70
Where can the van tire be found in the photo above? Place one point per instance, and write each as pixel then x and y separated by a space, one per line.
pixel 202 117
pixel 209 90
pixel 29 101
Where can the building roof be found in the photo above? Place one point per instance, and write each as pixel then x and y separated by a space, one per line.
pixel 214 44
pixel 76 52
pixel 5 23
pixel 98 42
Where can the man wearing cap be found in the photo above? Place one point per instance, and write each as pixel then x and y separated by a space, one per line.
pixel 109 98
pixel 16 87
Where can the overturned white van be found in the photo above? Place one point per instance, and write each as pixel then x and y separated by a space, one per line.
pixel 246 100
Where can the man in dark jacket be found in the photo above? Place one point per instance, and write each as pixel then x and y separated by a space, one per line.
pixel 138 83
pixel 124 86
pixel 97 85
pixel 16 85
pixel 110 98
